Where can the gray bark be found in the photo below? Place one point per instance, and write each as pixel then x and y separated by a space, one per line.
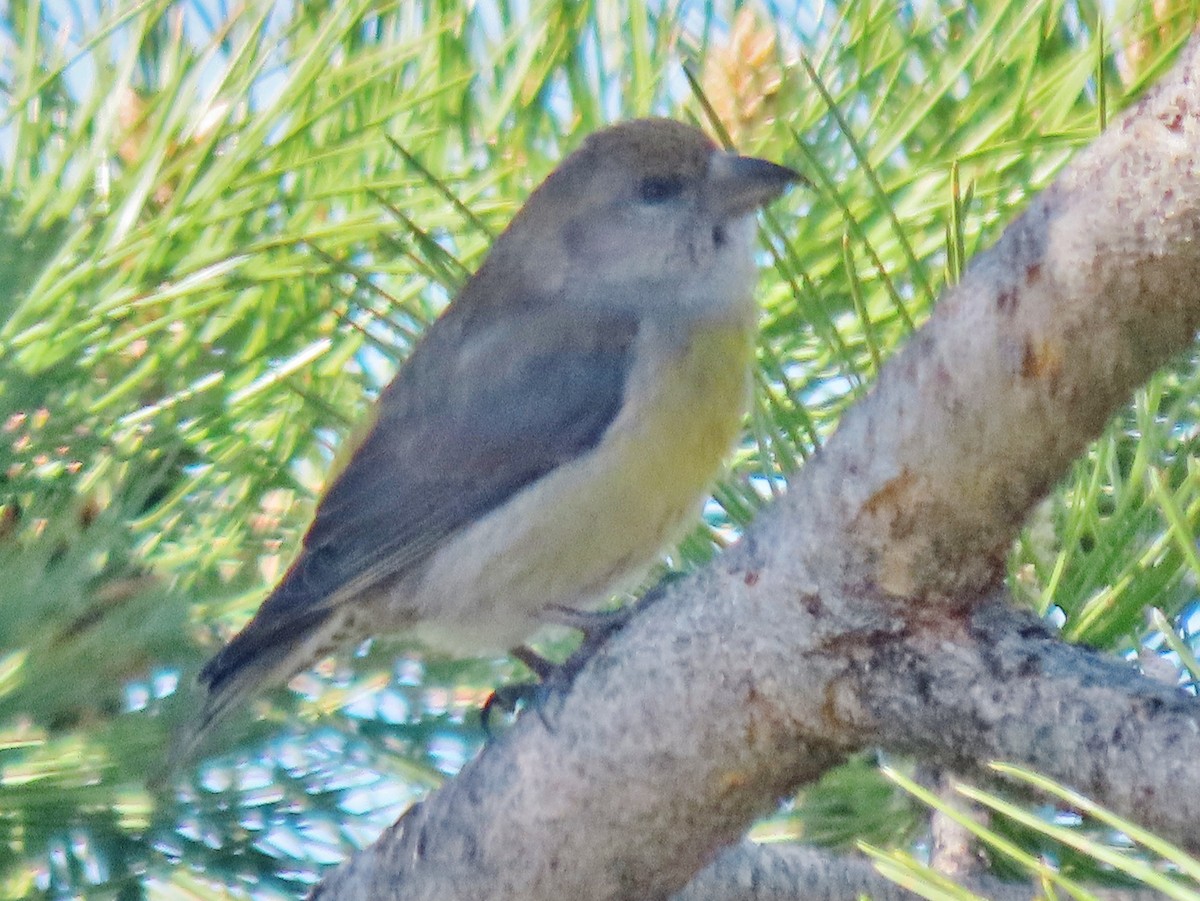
pixel 749 872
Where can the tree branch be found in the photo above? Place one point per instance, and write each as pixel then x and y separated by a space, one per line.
pixel 1011 690
pixel 750 872
pixel 854 612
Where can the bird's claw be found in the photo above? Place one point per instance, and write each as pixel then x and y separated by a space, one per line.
pixel 556 678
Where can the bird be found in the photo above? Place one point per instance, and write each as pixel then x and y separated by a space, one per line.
pixel 556 428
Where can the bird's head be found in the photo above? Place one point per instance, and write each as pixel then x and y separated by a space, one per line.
pixel 645 212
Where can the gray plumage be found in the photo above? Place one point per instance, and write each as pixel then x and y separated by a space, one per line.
pixel 557 425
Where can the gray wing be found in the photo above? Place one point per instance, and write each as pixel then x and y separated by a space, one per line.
pixel 486 404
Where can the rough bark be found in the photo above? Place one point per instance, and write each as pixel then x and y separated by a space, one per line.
pixel 749 872
pixel 865 608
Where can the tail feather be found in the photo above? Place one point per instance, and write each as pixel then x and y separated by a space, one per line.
pixel 258 657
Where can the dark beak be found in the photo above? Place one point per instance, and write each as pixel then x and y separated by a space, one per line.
pixel 741 184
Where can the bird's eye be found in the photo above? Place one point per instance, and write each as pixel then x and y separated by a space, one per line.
pixel 660 188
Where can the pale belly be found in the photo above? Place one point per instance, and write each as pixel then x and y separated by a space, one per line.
pixel 594 526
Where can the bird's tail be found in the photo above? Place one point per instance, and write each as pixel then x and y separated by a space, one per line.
pixel 257 658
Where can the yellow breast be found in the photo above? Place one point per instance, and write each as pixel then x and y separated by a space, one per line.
pixel 683 411
pixel 595 524
pixel 678 426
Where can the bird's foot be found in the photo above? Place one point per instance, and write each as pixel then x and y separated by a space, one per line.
pixel 596 625
pixel 555 679
pixel 506 699
pixel 552 679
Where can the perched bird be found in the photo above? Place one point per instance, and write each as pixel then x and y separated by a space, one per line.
pixel 552 430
